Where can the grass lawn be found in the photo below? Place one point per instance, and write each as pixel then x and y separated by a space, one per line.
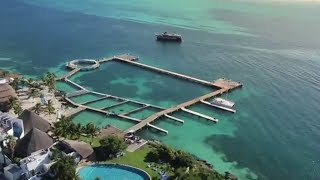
pixel 95 141
pixel 136 159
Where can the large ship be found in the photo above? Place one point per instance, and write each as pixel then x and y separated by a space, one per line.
pixel 169 37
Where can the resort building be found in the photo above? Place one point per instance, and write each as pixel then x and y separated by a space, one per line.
pixel 32 120
pixel 6 92
pixel 77 149
pixel 11 126
pixel 33 141
pixel 37 163
pixel 13 172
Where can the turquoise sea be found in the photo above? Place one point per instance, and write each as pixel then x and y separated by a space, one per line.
pixel 272 47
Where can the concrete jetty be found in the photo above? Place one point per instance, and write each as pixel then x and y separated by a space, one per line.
pixel 174 118
pixel 199 114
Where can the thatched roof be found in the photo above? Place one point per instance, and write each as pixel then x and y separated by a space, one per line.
pixel 31 142
pixel 32 120
pixel 84 149
pixel 6 91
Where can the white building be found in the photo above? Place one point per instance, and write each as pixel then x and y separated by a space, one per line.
pixel 36 163
pixel 13 172
pixel 11 126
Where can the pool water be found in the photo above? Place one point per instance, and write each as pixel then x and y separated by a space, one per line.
pixel 112 172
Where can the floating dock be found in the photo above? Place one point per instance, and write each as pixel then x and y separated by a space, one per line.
pixel 174 118
pixel 219 86
pixel 199 114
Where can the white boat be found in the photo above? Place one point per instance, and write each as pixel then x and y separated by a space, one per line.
pixel 223 104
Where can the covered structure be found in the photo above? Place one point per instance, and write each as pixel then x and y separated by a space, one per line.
pixel 6 92
pixel 32 120
pixel 33 141
pixel 80 147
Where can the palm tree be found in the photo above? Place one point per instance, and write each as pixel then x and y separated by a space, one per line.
pixel 65 168
pixel 15 83
pixel 37 108
pixel 11 144
pixel 33 93
pixel 50 108
pixel 12 102
pixel 90 130
pixel 62 127
pixel 17 109
pixel 3 155
pixel 75 130
pixel 50 81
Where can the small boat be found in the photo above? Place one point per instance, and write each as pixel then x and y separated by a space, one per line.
pixel 223 104
pixel 169 37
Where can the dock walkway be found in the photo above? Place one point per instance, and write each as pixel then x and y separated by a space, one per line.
pixel 69 74
pixel 173 109
pixel 221 86
pixel 163 71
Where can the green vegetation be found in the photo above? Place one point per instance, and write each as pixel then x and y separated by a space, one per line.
pixel 50 108
pixel 15 105
pixel 90 129
pixel 37 108
pixel 64 168
pixel 112 144
pixel 66 128
pixel 11 144
pixel 136 159
pixel 50 81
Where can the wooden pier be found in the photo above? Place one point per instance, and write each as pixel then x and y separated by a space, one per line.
pixel 69 74
pixel 180 106
pixel 170 73
pixel 220 86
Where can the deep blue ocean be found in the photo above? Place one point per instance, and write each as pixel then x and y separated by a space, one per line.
pixel 273 48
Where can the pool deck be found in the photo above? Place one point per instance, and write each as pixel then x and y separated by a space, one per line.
pixel 219 86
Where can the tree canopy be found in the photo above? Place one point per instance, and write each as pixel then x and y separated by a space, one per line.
pixel 112 144
pixel 64 168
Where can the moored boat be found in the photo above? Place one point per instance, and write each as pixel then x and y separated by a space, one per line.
pixel 223 104
pixel 169 37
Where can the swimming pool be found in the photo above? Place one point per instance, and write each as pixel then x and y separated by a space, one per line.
pixel 112 172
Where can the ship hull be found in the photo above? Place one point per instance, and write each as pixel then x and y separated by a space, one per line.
pixel 171 39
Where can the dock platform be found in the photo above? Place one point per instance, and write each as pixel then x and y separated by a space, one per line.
pixel 219 86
